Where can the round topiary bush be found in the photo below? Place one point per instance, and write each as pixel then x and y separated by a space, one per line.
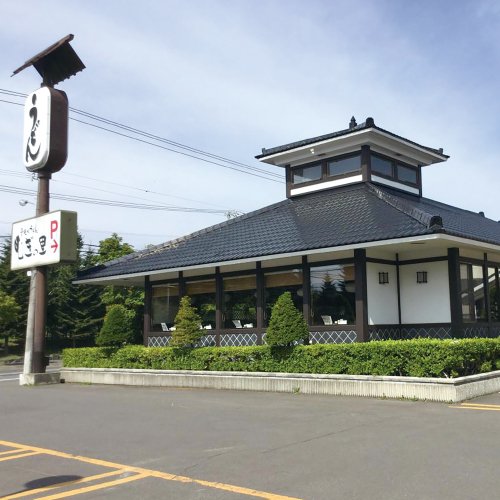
pixel 287 325
pixel 117 327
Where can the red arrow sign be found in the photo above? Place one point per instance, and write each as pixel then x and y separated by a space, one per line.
pixel 54 245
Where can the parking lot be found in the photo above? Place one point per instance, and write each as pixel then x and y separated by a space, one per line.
pixel 64 441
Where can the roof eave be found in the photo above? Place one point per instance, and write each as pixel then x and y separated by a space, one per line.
pixel 373 136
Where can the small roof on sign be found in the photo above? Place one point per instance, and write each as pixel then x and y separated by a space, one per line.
pixel 56 63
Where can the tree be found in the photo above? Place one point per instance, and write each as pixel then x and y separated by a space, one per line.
pixel 187 322
pixel 16 284
pixel 112 248
pixel 9 317
pixel 132 298
pixel 116 330
pixel 287 325
pixel 73 311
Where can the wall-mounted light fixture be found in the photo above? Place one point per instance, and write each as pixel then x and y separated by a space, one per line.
pixel 421 276
pixel 383 278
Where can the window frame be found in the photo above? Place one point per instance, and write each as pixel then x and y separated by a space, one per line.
pixel 394 168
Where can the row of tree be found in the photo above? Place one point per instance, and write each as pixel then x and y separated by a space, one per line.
pixel 75 313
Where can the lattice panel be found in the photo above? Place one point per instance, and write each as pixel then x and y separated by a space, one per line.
pixel 238 339
pixel 476 331
pixel 207 341
pixel 335 337
pixel 389 333
pixel 158 341
pixel 495 331
pixel 440 332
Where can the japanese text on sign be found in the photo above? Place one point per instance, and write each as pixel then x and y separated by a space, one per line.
pixel 44 240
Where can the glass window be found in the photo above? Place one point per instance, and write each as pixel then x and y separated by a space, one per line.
pixel 278 283
pixel 202 294
pixel 165 304
pixel 332 295
pixel 344 165
pixel 493 294
pixel 472 293
pixel 240 302
pixel 381 166
pixel 306 174
pixel 407 174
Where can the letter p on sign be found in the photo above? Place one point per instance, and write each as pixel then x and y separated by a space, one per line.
pixel 54 225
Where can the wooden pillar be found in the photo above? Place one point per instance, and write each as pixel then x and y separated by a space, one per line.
pixel 306 290
pixel 454 282
pixel 259 283
pixel 182 285
pixel 147 309
pixel 486 288
pixel 219 296
pixel 366 173
pixel 398 283
pixel 361 293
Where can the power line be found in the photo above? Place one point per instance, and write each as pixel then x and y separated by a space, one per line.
pixel 15 173
pixel 193 152
pixel 112 203
pixel 173 143
pixel 170 149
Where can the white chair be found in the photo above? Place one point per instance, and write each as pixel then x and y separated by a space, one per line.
pixel 327 320
pixel 237 323
pixel 248 325
pixel 164 327
pixel 208 327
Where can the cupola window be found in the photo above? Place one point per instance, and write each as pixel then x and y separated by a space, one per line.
pixel 344 165
pixel 307 174
pixel 391 169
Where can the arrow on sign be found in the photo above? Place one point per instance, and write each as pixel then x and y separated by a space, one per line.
pixel 54 245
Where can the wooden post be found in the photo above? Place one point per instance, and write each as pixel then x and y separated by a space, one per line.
pixel 362 333
pixel 147 310
pixel 454 282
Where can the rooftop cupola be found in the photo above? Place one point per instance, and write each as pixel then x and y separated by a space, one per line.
pixel 360 153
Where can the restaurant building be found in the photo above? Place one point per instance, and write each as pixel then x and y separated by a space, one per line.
pixel 363 253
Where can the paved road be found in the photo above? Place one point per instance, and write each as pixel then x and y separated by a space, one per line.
pixel 10 373
pixel 154 443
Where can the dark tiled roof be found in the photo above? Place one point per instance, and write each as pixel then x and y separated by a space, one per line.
pixel 369 123
pixel 349 215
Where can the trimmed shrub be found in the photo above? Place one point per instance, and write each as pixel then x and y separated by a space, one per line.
pixel 187 323
pixel 117 327
pixel 415 358
pixel 287 325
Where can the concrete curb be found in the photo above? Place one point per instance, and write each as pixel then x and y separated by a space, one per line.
pixel 429 389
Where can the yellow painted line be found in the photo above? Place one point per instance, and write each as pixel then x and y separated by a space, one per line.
pixel 94 487
pixel 153 473
pixel 481 405
pixel 8 452
pixel 22 455
pixel 87 479
pixel 479 408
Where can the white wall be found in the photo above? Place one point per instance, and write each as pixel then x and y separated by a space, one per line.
pixel 382 299
pixel 426 302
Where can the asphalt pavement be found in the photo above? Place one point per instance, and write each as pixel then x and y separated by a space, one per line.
pixel 131 442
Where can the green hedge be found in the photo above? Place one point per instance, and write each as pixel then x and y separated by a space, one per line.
pixel 415 358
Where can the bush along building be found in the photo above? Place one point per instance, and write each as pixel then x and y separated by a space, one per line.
pixel 364 255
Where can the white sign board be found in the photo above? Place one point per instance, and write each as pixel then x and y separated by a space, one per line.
pixel 44 240
pixel 37 129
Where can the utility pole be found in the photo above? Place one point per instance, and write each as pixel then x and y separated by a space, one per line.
pixel 46 150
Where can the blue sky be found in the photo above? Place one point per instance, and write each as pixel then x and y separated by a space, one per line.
pixel 231 77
